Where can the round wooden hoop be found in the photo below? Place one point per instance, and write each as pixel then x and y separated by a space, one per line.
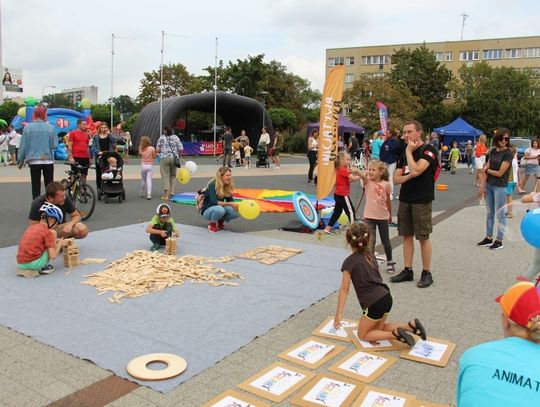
pixel 138 366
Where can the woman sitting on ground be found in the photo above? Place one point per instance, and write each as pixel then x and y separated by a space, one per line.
pixel 218 205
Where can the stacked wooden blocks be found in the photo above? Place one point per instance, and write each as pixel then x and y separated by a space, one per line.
pixel 71 254
pixel 170 246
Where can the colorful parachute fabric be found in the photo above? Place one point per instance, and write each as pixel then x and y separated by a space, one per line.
pixel 270 200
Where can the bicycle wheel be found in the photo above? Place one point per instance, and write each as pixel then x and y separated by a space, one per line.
pixel 85 200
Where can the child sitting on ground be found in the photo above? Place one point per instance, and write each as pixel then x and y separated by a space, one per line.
pixel 39 244
pixel 373 295
pixel 112 171
pixel 161 227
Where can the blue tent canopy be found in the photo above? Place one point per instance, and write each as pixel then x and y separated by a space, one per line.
pixel 459 130
pixel 344 126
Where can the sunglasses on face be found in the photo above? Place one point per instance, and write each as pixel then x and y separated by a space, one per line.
pixel 506 138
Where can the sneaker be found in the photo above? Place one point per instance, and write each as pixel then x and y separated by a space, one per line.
pixel 486 242
pixel 48 269
pixel 497 244
pixel 425 280
pixel 149 197
pixel 212 228
pixel 390 267
pixel 155 247
pixel 404 275
pixel 221 224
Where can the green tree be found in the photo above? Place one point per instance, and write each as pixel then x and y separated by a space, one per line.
pixel 422 74
pixel 8 111
pixel 58 100
pixel 177 81
pixel 499 97
pixel 129 123
pixel 102 113
pixel 282 118
pixel 365 93
pixel 125 104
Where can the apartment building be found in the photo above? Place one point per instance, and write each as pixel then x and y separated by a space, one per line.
pixel 78 94
pixel 519 52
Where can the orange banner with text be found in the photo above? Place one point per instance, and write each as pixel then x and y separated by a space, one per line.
pixel 328 131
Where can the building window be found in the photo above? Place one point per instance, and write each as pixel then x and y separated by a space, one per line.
pixel 513 53
pixel 531 53
pixel 349 60
pixel 448 57
pixel 439 56
pixel 376 60
pixel 469 55
pixel 493 54
pixel 336 61
pixel 374 74
pixel 349 78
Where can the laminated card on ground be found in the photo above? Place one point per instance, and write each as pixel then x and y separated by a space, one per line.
pixel 373 346
pixel 328 390
pixel 432 351
pixel 327 329
pixel 234 398
pixel 311 352
pixel 373 396
pixel 363 366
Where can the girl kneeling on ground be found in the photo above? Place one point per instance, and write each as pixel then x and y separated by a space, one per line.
pixel 373 295
pixel 218 205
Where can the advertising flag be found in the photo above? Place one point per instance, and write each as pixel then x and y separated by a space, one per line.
pixel 383 116
pixel 328 131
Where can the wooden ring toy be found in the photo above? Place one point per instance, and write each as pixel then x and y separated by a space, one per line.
pixel 138 366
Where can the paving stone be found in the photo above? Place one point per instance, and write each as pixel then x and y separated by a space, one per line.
pixel 28 398
pixel 9 387
pixel 132 400
pixel 56 391
pixel 76 378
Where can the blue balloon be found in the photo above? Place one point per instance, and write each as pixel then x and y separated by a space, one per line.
pixel 530 227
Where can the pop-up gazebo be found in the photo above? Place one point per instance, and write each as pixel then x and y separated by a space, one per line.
pixel 344 126
pixel 458 130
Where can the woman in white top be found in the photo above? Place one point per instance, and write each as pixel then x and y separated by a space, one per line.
pixel 312 154
pixel 531 162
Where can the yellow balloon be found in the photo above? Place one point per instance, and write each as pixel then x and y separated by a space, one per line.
pixel 183 176
pixel 249 209
pixel 85 103
pixel 22 112
pixel 343 219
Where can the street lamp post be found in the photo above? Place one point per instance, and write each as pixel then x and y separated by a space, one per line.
pixel 264 93
pixel 45 87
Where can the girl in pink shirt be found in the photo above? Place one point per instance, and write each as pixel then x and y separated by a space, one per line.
pixel 378 209
pixel 148 155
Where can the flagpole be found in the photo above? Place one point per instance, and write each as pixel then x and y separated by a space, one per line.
pixel 112 81
pixel 161 83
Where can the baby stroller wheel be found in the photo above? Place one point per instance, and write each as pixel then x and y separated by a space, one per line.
pixel 124 195
pixel 119 198
pixel 106 199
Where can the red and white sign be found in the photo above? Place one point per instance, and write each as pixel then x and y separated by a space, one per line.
pixel 208 147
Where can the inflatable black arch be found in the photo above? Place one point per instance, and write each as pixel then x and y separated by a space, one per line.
pixel 238 112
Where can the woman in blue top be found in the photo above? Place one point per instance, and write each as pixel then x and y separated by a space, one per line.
pixel 168 145
pixel 219 206
pixel 38 142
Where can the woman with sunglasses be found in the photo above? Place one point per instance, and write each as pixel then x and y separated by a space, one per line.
pixel 494 176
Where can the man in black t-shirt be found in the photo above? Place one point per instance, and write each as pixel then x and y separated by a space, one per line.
pixel 415 171
pixel 227 147
pixel 55 193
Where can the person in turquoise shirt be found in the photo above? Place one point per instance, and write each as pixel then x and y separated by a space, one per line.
pixel 454 157
pixel 506 372
pixel 376 146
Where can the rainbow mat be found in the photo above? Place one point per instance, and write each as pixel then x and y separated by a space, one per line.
pixel 270 200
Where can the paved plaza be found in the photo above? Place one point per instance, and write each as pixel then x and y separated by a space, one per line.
pixel 459 307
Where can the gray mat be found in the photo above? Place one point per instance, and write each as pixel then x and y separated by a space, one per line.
pixel 203 324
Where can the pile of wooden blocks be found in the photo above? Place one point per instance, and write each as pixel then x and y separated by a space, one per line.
pixel 170 246
pixel 71 254
pixel 269 254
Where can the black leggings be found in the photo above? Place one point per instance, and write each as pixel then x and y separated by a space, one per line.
pixel 35 176
pixel 158 238
pixel 312 157
pixel 382 224
pixel 343 203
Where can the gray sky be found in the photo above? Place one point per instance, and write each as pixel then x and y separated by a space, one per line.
pixel 67 43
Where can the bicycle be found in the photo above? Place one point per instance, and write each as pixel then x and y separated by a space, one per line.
pixel 82 195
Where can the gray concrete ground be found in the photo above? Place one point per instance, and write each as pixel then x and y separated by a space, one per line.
pixel 458 307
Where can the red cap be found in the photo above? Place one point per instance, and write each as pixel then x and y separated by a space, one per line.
pixel 521 302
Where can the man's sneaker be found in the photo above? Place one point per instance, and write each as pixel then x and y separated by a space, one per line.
pixel 155 247
pixel 48 269
pixel 425 280
pixel 390 267
pixel 212 228
pixel 221 224
pixel 404 275
pixel 486 242
pixel 497 244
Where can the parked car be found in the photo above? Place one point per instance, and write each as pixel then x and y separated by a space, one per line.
pixel 522 144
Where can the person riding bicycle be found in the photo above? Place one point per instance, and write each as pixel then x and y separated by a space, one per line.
pixel 55 194
pixel 78 148
pixel 39 243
